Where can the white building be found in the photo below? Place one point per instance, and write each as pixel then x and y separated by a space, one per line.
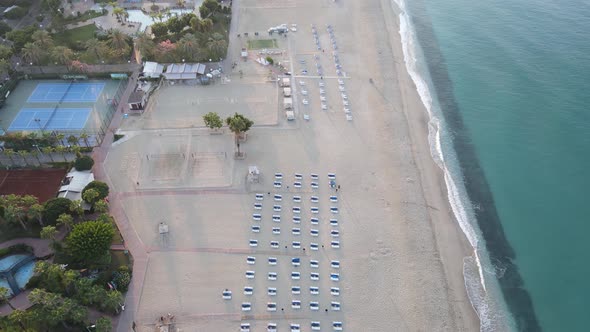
pixel 73 184
pixel 152 69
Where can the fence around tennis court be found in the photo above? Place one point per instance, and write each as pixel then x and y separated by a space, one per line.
pixel 45 70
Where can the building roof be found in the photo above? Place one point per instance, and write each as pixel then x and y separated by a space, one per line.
pixel 75 181
pixel 153 69
pixel 136 97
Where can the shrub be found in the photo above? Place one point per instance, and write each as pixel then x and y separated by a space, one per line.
pixel 16 13
pixel 4 28
pixel 15 249
pixel 101 187
pixel 53 208
pixel 122 280
pixel 83 163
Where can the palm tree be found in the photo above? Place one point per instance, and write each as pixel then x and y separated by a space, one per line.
pixel 36 212
pixel 189 46
pixel 206 25
pixel 73 140
pixel 84 136
pixel 24 154
pixel 62 55
pixel 95 48
pixel 238 124
pixel 32 53
pixel 5 298
pixel 48 150
pixel 9 153
pixel 61 149
pixel 76 150
pixel 35 153
pixel 118 40
pixel 118 12
pixel 60 138
pixel 42 39
pixel 217 48
pixel 66 220
pixel 145 45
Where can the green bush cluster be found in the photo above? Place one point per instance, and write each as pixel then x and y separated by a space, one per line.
pixel 83 163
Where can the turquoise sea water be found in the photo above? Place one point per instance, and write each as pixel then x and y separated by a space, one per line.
pixel 510 83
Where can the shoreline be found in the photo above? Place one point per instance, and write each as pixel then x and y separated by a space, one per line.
pixel 446 228
pixel 515 298
pixel 448 239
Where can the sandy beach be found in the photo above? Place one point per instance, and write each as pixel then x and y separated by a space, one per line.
pixel 401 251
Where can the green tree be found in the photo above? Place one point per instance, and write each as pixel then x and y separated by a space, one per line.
pixel 55 207
pixel 175 25
pixel 208 8
pixel 90 241
pixel 66 220
pixel 118 12
pixel 54 277
pixel 51 6
pixel 43 39
pixel 16 13
pixel 206 25
pixel 118 40
pixel 16 208
pixel 56 309
pixel 112 302
pixel 239 125
pixel 90 196
pixel 160 30
pixel 100 206
pixel 95 48
pixel 32 53
pixel 5 296
pixel 5 52
pixel 213 120
pixel 103 324
pixel 48 150
pixel 21 37
pixel 48 232
pixel 35 153
pixel 195 24
pixel 145 45
pixel 77 208
pixel 101 187
pixel 23 154
pixel 36 212
pixel 189 46
pixel 73 140
pixel 83 163
pixel 62 149
pixel 4 28
pixel 84 137
pixel 62 55
pixel 9 153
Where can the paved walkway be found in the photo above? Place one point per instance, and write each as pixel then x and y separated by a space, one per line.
pixel 132 241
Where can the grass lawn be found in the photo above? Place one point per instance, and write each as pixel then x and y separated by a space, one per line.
pixel 118 258
pixel 117 239
pixel 70 37
pixel 256 44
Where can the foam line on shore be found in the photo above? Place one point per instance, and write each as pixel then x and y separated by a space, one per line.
pixel 485 300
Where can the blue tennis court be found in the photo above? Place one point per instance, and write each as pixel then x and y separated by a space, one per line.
pixel 41 118
pixel 66 92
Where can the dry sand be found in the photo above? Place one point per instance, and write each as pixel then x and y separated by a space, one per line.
pixel 402 252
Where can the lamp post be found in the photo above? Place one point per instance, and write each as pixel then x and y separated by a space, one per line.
pixel 38 121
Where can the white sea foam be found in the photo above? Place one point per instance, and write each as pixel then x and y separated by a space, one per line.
pixel 481 283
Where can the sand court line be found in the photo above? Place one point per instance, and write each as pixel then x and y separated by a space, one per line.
pixel 234 251
pixel 321 77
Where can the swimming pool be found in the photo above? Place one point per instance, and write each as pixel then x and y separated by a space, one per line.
pixel 138 16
